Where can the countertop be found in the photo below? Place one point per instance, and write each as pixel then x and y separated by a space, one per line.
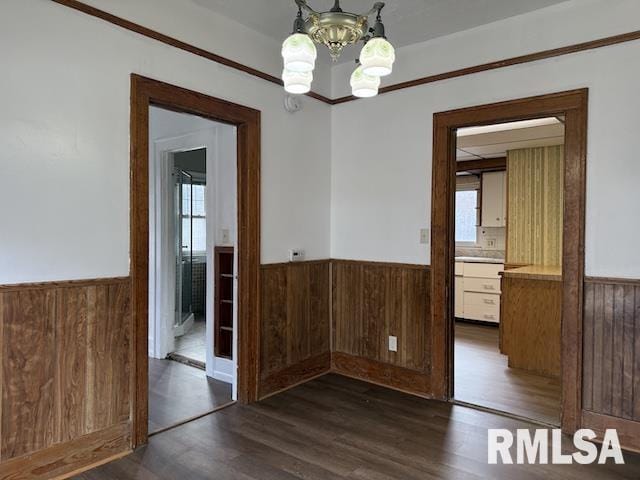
pixel 535 272
pixel 479 260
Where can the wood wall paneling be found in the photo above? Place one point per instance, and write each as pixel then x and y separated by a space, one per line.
pixel 65 371
pixel 295 323
pixel 372 301
pixel 28 368
pixel 611 359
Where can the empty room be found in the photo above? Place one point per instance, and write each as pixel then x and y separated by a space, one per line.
pixel 319 239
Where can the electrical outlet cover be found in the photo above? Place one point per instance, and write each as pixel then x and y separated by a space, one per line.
pixel 393 344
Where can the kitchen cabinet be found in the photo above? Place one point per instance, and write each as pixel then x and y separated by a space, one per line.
pixel 477 291
pixel 531 325
pixel 459 291
pixel 494 202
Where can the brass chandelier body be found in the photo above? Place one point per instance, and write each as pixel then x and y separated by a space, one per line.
pixel 336 28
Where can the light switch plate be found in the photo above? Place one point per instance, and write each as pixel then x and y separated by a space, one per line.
pixel 393 344
pixel 424 236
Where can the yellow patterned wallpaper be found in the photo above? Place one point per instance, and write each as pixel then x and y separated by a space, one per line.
pixel 534 202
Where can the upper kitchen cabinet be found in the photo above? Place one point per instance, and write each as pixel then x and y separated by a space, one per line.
pixel 494 204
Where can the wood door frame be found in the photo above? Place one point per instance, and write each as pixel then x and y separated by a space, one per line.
pixel 144 93
pixel 573 105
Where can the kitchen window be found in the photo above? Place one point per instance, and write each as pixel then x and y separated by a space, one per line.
pixel 467 210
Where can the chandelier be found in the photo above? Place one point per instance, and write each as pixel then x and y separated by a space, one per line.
pixel 336 29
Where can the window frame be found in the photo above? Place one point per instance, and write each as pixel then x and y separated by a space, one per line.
pixel 476 243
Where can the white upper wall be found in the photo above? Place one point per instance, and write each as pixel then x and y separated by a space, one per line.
pixel 64 128
pixel 382 147
pixel 194 24
pixel 560 25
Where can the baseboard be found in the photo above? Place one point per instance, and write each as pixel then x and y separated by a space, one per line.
pixel 628 430
pixel 71 458
pixel 383 374
pixel 295 374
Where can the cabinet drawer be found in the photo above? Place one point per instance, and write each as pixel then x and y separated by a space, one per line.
pixel 483 313
pixel 487 300
pixel 487 285
pixel 483 270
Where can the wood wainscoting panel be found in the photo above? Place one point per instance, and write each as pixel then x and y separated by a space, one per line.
pixel 295 337
pixel 611 358
pixel 372 301
pixel 383 374
pixel 28 368
pixel 66 356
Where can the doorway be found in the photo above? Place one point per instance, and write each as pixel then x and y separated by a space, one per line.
pixel 572 107
pixel 193 208
pixel 148 93
pixel 508 267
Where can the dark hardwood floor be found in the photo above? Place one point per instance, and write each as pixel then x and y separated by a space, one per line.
pixel 178 392
pixel 482 377
pixel 339 428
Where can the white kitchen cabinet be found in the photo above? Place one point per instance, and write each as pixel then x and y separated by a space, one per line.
pixel 459 291
pixel 477 291
pixel 494 190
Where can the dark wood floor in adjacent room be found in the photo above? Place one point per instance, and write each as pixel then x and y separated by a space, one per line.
pixel 179 392
pixel 482 377
pixel 338 428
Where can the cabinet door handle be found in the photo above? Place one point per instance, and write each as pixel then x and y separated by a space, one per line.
pixel 490 317
pixel 489 302
pixel 488 286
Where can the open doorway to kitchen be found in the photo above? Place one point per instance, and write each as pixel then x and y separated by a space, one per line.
pixel 459 342
pixel 508 267
pixel 171 232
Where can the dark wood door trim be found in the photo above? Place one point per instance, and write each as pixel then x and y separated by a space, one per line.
pixel 144 93
pixel 573 105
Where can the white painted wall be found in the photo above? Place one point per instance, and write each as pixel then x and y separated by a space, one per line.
pixel 382 148
pixel 64 128
pixel 204 28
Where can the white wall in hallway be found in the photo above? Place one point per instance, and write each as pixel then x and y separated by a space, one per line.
pixel 64 127
pixel 382 147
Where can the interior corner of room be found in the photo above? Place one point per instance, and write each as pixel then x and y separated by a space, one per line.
pixel 317 239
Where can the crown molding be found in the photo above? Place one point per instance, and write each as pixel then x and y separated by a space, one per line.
pixel 508 62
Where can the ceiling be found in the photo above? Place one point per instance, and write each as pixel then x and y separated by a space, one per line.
pixel 406 21
pixel 494 141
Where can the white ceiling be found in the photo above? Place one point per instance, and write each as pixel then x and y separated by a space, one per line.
pixel 496 140
pixel 406 21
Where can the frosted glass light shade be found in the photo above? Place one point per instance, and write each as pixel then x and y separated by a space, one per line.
pixel 363 85
pixel 299 53
pixel 377 57
pixel 297 82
